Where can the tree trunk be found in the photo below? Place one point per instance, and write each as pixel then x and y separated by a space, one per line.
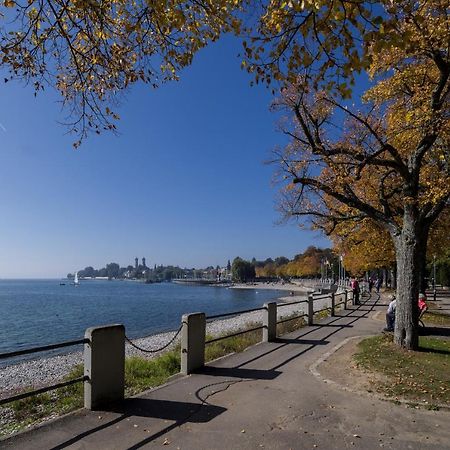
pixel 408 247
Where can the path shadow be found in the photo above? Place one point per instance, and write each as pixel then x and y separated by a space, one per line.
pixel 302 341
pixel 179 412
pixel 167 409
pixel 238 372
pixel 332 322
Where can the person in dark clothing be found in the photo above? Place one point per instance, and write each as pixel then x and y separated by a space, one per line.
pixel 355 290
pixel 378 284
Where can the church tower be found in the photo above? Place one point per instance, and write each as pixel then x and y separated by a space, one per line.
pixel 143 262
pixel 136 263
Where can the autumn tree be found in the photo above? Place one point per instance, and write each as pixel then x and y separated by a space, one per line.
pixel 90 50
pixel 386 159
pixel 365 244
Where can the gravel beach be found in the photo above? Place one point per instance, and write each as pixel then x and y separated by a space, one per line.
pixel 49 370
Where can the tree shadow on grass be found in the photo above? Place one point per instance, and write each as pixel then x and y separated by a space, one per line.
pixel 435 331
pixel 434 350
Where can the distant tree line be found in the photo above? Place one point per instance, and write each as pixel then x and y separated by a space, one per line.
pixel 313 262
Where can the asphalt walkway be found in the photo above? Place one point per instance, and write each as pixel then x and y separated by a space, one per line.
pixel 265 397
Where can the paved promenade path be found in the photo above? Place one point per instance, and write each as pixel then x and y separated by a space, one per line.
pixel 265 397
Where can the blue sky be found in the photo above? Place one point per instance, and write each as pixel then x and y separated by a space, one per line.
pixel 184 183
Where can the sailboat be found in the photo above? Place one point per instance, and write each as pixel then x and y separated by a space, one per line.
pixel 75 280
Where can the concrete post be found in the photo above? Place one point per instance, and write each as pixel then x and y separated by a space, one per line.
pixel 193 336
pixel 333 304
pixel 345 298
pixel 310 309
pixel 104 364
pixel 270 322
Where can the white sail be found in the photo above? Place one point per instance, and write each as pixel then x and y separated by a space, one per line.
pixel 75 280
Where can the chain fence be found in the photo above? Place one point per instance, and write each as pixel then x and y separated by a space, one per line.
pixel 137 347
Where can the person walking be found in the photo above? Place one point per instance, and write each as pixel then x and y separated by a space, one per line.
pixel 371 283
pixel 390 314
pixel 355 289
pixel 378 284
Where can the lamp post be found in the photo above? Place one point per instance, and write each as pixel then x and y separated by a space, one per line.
pixel 339 270
pixel 434 277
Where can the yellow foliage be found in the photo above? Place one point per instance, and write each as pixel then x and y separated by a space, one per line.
pixel 91 50
pixel 365 244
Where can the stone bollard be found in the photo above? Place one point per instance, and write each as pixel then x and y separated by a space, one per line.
pixel 310 309
pixel 193 336
pixel 270 322
pixel 333 304
pixel 345 298
pixel 104 364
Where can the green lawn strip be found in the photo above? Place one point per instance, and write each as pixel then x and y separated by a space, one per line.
pixel 421 377
pixel 140 374
pixel 436 318
pixel 38 408
pixel 290 325
pixel 234 344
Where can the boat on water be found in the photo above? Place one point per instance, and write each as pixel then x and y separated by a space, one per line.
pixel 76 282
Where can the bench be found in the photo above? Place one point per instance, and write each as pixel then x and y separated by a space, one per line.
pixel 422 313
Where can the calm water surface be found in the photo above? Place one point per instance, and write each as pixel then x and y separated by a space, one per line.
pixel 39 312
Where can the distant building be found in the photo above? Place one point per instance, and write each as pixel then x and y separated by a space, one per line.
pixel 139 270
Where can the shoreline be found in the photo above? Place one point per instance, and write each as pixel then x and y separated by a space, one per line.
pixel 39 372
pixel 275 286
pixel 48 370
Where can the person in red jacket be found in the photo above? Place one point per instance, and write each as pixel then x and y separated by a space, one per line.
pixel 422 304
pixel 355 288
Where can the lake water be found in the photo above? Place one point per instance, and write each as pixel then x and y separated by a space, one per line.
pixel 40 312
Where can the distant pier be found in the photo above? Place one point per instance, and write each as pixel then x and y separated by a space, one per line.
pixel 201 281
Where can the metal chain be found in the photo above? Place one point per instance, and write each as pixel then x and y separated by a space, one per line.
pixel 157 350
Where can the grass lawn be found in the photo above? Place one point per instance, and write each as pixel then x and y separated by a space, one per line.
pixel 435 318
pixel 421 377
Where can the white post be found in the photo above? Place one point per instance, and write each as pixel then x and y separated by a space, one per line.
pixel 193 336
pixel 104 364
pixel 270 322
pixel 310 309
